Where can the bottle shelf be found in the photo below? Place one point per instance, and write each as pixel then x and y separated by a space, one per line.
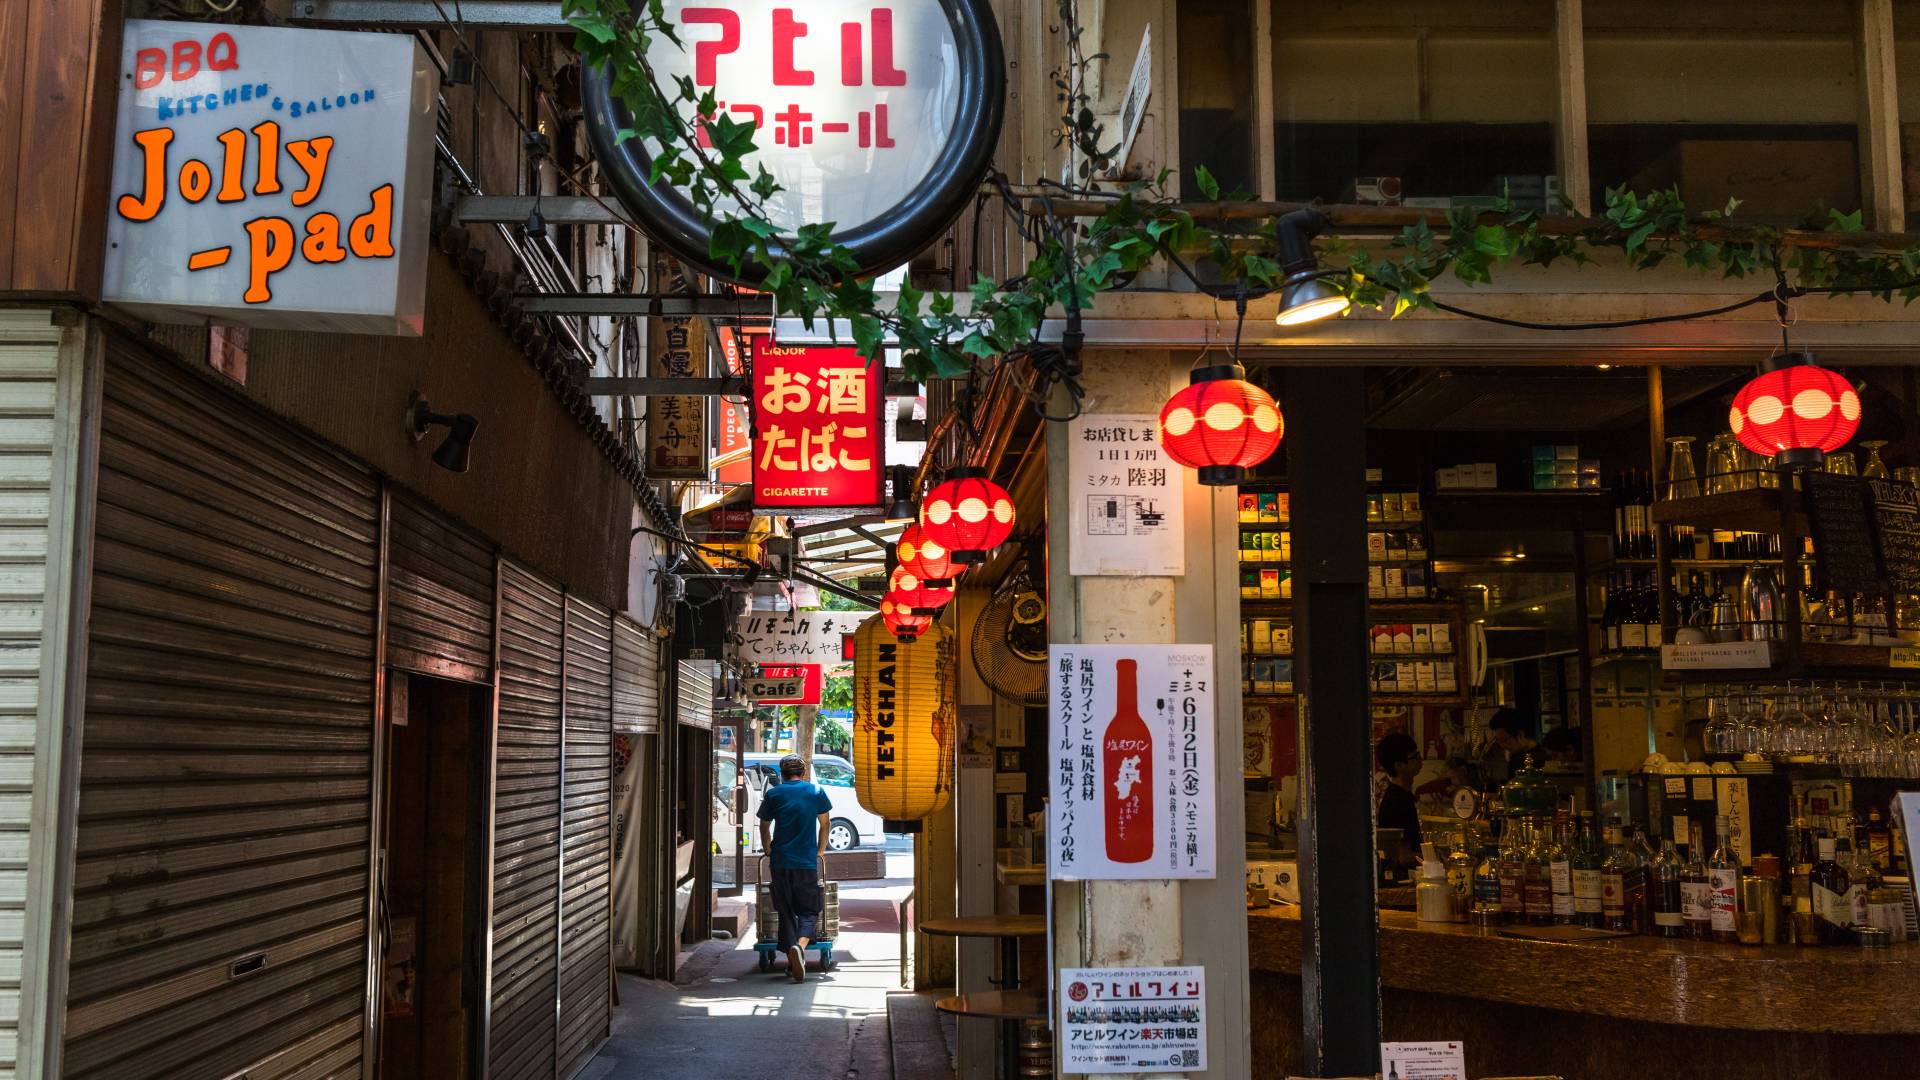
pixel 1755 510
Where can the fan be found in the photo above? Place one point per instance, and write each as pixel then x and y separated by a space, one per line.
pixel 1010 642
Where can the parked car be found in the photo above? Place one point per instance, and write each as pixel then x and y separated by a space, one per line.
pixel 851 825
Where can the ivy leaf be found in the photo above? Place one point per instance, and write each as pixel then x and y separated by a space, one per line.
pixel 1839 222
pixel 595 28
pixel 1204 180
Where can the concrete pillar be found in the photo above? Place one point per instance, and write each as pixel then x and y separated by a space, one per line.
pixel 1152 923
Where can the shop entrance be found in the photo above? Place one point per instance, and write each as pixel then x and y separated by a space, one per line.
pixel 434 887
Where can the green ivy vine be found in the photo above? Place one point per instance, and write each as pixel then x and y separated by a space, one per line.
pixel 1076 258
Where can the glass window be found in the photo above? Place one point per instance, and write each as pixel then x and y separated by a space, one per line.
pixel 1216 93
pixel 829 774
pixel 1906 66
pixel 1757 101
pixel 1441 100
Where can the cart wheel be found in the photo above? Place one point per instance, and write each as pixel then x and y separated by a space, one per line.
pixel 766 961
pixel 826 960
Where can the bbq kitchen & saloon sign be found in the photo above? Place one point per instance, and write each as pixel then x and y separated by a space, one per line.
pixel 271 177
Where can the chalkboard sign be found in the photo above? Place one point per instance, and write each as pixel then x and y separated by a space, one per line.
pixel 1840 516
pixel 1896 529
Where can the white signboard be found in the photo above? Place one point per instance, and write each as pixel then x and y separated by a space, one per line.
pixel 1132 1020
pixel 1423 1060
pixel 1132 777
pixel 798 637
pixel 272 177
pixel 1124 498
pixel 854 100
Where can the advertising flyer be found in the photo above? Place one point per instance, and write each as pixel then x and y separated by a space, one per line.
pixel 1132 771
pixel 1133 1020
pixel 1423 1061
pixel 1124 502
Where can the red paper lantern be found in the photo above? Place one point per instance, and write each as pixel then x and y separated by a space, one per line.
pixel 1796 413
pixel 923 598
pixel 1220 424
pixel 929 561
pixel 967 514
pixel 901 618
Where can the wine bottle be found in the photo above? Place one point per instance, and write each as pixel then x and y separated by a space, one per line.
pixel 1723 883
pixel 1129 772
pixel 1610 616
pixel 1560 866
pixel 1832 910
pixel 1696 894
pixel 1666 891
pixel 1587 860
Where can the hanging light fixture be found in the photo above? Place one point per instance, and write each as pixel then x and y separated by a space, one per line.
pixel 1795 411
pixel 928 561
pixel 967 514
pixel 1220 424
pixel 901 507
pixel 903 721
pixel 920 598
pixel 899 617
pixel 1305 294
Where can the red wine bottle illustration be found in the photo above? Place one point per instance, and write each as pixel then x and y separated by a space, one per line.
pixel 1126 769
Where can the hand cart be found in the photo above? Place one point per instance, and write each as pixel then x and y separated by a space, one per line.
pixel 767 921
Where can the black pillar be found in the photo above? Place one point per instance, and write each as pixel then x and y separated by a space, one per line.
pixel 1339 961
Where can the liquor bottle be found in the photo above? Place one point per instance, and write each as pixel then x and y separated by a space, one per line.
pixel 1649 539
pixel 1879 840
pixel 1640 882
pixel 1620 515
pixel 1614 871
pixel 1128 765
pixel 1610 614
pixel 1587 860
pixel 1560 868
pixel 1696 894
pixel 1486 887
pixel 1831 910
pixel 1862 878
pixel 1666 892
pixel 1537 882
pixel 1633 627
pixel 1723 882
pixel 1650 630
pixel 1513 873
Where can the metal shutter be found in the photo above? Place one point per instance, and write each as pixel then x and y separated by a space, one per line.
pixel 636 679
pixel 586 845
pixel 220 900
pixel 439 595
pixel 695 695
pixel 526 830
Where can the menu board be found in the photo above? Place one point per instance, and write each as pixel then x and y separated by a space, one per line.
pixel 1841 519
pixel 1896 528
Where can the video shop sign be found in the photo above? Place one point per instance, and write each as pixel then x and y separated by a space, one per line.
pixel 271 177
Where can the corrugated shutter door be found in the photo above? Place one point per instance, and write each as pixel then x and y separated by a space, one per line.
pixel 522 1040
pixel 695 695
pixel 586 841
pixel 439 595
pixel 636 679
pixel 220 878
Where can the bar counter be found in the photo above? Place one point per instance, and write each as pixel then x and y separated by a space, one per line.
pixel 1616 1009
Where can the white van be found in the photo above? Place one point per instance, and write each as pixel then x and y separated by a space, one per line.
pixel 851 825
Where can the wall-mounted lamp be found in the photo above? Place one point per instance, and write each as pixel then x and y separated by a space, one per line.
pixel 454 450
pixel 902 508
pixel 1305 295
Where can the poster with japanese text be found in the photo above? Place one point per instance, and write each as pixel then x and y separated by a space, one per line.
pixel 1124 501
pixel 1132 776
pixel 819 439
pixel 1131 1020
pixel 798 637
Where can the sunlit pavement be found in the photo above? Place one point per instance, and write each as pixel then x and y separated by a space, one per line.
pixel 731 1020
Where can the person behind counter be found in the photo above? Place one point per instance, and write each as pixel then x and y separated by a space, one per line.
pixel 1399 757
pixel 1561 746
pixel 1509 732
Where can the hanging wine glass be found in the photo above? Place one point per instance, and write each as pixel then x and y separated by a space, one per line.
pixel 1723 464
pixel 1682 481
pixel 1840 463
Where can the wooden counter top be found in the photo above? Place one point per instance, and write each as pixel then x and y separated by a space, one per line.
pixel 1844 989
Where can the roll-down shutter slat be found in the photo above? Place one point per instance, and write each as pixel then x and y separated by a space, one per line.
pixel 587 837
pixel 439 596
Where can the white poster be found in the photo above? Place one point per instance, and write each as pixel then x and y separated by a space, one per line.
pixel 1124 498
pixel 1423 1061
pixel 798 637
pixel 1132 776
pixel 1133 1020
pixel 271 176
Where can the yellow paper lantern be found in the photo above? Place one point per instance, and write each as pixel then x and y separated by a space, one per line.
pixel 902 721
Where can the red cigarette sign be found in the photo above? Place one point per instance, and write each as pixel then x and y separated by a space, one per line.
pixel 818 432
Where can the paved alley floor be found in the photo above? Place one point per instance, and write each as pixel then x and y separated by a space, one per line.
pixel 727 1019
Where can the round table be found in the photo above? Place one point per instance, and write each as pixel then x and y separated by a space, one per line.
pixel 997 1004
pixel 1009 929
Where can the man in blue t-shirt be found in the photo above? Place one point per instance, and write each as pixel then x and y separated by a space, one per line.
pixel 794 817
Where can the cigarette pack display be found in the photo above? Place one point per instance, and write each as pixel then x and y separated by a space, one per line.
pixel 1249 506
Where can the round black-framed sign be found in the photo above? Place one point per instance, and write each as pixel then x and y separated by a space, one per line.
pixel 881 119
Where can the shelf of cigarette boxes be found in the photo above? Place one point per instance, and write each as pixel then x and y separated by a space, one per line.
pixel 1839 990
